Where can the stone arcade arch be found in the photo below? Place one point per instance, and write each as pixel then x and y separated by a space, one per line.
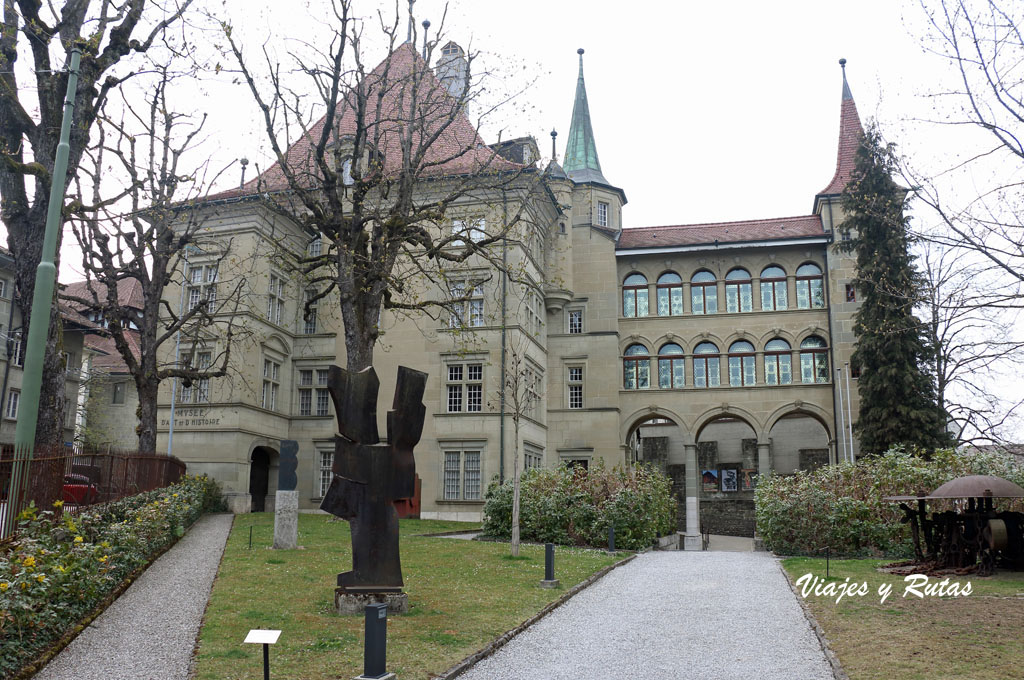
pixel 728 464
pixel 800 441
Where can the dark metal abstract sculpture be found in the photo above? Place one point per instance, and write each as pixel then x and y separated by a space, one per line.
pixel 369 476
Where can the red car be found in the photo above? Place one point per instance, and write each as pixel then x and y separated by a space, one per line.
pixel 78 490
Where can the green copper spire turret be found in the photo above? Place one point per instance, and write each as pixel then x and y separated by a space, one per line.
pixel 581 163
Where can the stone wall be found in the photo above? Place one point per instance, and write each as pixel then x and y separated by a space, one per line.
pixel 728 516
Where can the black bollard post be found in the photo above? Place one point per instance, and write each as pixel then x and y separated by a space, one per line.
pixel 611 538
pixel 250 538
pixel 376 641
pixel 266 662
pixel 828 558
pixel 549 567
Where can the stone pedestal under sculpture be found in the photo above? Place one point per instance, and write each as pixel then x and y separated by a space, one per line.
pixel 286 501
pixel 369 476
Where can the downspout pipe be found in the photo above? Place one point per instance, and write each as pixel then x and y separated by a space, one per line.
pixel 504 331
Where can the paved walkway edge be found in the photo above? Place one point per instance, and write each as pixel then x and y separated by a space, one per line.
pixel 193 661
pixel 833 660
pixel 496 644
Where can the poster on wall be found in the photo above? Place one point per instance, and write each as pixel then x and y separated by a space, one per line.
pixel 748 479
pixel 729 482
pixel 709 480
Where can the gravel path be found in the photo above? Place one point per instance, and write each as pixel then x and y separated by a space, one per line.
pixel 692 615
pixel 150 631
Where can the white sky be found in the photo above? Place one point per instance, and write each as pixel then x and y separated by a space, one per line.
pixel 701 111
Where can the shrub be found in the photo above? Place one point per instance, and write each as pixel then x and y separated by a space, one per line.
pixel 841 506
pixel 59 569
pixel 571 506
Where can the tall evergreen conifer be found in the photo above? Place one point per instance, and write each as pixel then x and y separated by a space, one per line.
pixel 897 395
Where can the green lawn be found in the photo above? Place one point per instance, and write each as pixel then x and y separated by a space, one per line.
pixel 980 636
pixel 462 594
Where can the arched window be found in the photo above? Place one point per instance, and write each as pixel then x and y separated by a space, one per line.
pixel 670 294
pixel 773 289
pixel 741 364
pixel 810 289
pixel 636 368
pixel 706 372
pixel 635 296
pixel 738 291
pixel 703 293
pixel 814 360
pixel 671 366
pixel 778 363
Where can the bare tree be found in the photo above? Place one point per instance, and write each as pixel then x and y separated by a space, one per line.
pixel 380 172
pixel 523 388
pixel 973 248
pixel 975 343
pixel 31 107
pixel 145 235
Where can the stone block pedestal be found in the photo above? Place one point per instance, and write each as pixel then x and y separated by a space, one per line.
pixel 692 542
pixel 550 584
pixel 348 603
pixel 286 520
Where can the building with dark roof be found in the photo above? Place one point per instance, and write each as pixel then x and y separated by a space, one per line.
pixel 702 348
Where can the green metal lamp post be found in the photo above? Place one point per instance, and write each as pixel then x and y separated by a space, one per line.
pixel 42 303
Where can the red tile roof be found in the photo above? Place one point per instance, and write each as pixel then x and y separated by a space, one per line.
pixel 129 292
pixel 458 149
pixel 850 132
pixel 110 361
pixel 722 232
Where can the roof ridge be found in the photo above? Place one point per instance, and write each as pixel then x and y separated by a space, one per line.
pixel 717 224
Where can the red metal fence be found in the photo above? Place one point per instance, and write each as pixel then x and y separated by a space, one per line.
pixel 83 479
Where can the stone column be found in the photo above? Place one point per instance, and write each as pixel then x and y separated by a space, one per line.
pixel 764 463
pixel 692 539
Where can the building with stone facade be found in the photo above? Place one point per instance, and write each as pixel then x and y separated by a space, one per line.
pixel 712 350
pixel 12 358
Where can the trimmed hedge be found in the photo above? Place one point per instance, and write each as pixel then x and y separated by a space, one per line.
pixel 59 570
pixel 572 506
pixel 841 506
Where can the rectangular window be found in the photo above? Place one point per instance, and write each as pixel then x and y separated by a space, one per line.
pixel 575 384
pixel 119 389
pixel 452 466
pixel 275 299
pixel 315 247
pixel 3 288
pixel 309 313
pixel 271 380
pixel 202 280
pixel 602 214
pixel 704 298
pixel 575 321
pixel 851 293
pixel 773 295
pixel 326 473
pixel 474 229
pixel 535 311
pixel 706 372
pixel 533 457
pixel 13 397
pixel 322 400
pixel 467 307
pixel 18 351
pixel 313 401
pixel 203 361
pixel 465 389
pixel 738 297
pixel 462 475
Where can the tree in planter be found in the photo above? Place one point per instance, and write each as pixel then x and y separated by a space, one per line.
pixel 143 237
pixel 897 395
pixel 377 176
pixel 31 107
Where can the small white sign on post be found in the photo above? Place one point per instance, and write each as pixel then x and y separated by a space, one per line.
pixel 262 637
pixel 266 638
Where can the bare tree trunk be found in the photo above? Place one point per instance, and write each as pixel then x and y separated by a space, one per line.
pixel 515 488
pixel 147 415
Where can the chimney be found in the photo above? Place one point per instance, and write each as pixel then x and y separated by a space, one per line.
pixel 452 70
